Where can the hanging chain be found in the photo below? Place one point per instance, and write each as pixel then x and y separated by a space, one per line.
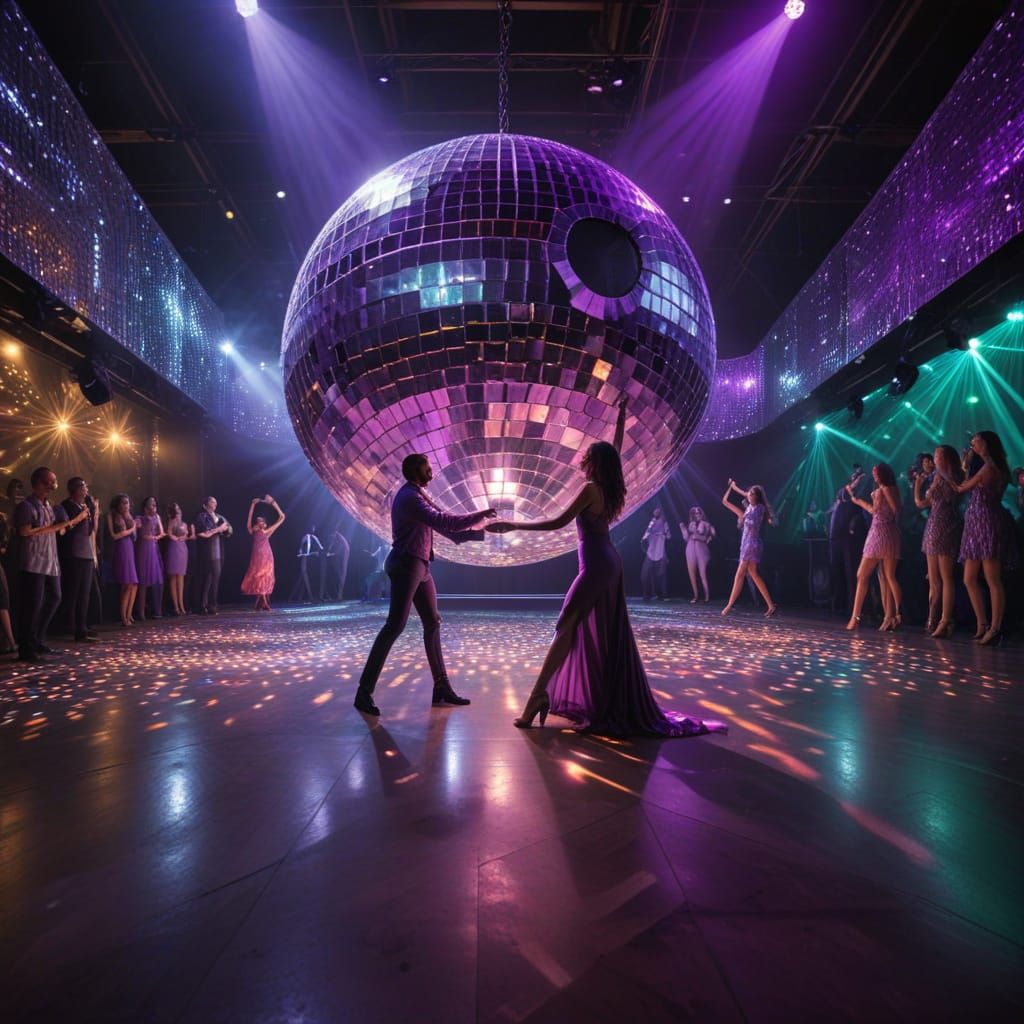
pixel 504 40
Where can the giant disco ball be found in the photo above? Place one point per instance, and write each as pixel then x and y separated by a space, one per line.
pixel 487 302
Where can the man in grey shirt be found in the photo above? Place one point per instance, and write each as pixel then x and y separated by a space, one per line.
pixel 39 576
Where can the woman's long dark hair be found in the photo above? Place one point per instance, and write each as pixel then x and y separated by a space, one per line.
pixel 156 505
pixel 603 466
pixel 996 451
pixel 115 503
pixel 760 498
pixel 886 474
pixel 952 461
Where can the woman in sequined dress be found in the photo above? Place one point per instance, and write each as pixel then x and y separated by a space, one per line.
pixel 179 533
pixel 988 545
pixel 881 548
pixel 750 521
pixel 941 540
pixel 121 528
pixel 148 564
pixel 698 534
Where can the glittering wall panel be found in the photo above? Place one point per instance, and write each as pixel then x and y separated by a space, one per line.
pixel 953 200
pixel 475 302
pixel 70 219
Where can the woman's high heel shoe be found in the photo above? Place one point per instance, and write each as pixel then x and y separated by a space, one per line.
pixel 886 625
pixel 771 611
pixel 853 623
pixel 895 622
pixel 982 630
pixel 534 706
pixel 943 631
pixel 992 638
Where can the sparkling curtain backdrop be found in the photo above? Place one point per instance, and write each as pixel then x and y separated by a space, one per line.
pixel 70 219
pixel 954 199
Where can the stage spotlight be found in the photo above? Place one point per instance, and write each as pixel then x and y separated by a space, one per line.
pixel 819 426
pixel 727 201
pixel 383 78
pixel 974 343
pixel 94 382
pixel 595 85
pixel 855 407
pixel 686 199
pixel 229 214
pixel 227 347
pixel 114 437
pixel 972 399
pixel 618 73
pixel 1015 316
pixel 247 8
pixel 12 350
pixel 793 9
pixel 280 193
pixel 63 425
pixel 904 377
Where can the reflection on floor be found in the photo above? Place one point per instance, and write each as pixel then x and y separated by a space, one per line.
pixel 195 825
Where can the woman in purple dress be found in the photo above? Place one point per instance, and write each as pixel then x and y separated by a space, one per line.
pixel 750 521
pixel 941 540
pixel 881 548
pixel 593 674
pixel 121 528
pixel 147 558
pixel 988 543
pixel 179 533
pixel 259 577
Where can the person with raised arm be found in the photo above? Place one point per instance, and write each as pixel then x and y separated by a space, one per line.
pixel 259 577
pixel 750 521
pixel 881 548
pixel 593 673
pixel 988 545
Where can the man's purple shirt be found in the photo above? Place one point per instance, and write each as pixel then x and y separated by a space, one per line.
pixel 414 517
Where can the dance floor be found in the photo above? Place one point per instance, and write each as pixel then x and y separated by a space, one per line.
pixel 197 826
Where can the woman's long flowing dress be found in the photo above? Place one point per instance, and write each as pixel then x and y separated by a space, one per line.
pixel 602 684
pixel 259 577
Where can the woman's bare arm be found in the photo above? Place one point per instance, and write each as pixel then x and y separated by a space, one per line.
pixel 921 501
pixel 582 500
pixel 620 426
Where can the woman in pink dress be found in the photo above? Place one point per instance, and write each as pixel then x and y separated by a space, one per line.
pixel 259 577
pixel 593 673
pixel 881 547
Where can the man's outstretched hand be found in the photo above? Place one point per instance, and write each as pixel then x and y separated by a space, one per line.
pixel 501 527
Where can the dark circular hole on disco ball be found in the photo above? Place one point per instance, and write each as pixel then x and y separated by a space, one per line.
pixel 603 256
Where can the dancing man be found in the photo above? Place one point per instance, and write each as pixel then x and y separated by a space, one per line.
pixel 414 517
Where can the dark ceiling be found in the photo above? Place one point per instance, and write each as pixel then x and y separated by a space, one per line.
pixel 171 88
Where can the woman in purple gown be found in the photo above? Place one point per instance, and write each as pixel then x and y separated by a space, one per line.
pixel 259 577
pixel 881 548
pixel 988 543
pixel 179 533
pixel 593 674
pixel 941 540
pixel 148 564
pixel 750 521
pixel 121 528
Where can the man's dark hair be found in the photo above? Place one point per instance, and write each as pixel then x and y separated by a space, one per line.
pixel 12 485
pixel 38 474
pixel 412 463
pixel 74 483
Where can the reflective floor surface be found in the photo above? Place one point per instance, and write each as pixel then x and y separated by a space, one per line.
pixel 196 826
